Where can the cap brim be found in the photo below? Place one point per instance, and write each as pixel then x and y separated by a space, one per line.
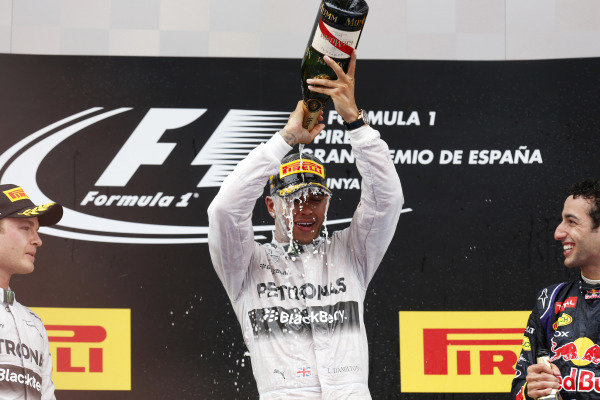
pixel 294 188
pixel 47 214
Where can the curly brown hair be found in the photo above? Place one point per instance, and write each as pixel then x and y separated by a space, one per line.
pixel 589 189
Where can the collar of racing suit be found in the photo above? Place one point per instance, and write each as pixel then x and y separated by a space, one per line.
pixel 8 296
pixel 589 291
pixel 590 281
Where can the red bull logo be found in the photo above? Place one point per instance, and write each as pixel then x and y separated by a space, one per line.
pixel 571 302
pixel 580 352
pixel 567 352
pixel 592 294
pixel 580 380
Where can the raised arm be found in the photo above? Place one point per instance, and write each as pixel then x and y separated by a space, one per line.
pixel 376 217
pixel 374 221
pixel 230 234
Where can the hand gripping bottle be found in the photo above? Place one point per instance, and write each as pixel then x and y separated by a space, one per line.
pixel 543 358
pixel 336 32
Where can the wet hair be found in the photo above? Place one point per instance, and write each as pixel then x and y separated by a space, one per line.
pixel 588 189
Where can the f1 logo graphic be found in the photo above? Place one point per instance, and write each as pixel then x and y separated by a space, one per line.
pixel 436 344
pixel 238 133
pixel 142 147
pixel 77 334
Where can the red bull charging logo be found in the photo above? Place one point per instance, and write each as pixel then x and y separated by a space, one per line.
pixel 580 352
pixel 592 294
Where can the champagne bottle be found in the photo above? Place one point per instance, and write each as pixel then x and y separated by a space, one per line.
pixel 543 357
pixel 336 32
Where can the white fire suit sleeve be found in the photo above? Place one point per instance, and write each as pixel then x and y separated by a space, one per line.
pixel 47 384
pixel 375 219
pixel 230 234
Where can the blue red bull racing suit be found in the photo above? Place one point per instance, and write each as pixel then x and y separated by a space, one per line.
pixel 566 322
pixel 302 315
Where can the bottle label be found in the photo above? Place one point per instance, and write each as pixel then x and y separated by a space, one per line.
pixel 334 42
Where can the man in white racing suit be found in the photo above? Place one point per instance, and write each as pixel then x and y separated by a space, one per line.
pixel 25 362
pixel 299 299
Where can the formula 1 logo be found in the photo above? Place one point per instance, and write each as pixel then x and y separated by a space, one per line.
pixel 236 135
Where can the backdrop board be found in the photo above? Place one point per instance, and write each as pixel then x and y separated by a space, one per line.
pixel 136 148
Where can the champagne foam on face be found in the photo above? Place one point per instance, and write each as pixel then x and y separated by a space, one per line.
pixel 286 210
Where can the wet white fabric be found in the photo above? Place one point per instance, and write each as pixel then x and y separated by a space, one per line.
pixel 302 315
pixel 25 361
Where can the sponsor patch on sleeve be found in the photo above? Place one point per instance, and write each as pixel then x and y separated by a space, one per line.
pixel 526 346
pixel 571 302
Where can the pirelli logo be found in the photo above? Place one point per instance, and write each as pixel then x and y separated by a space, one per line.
pixel 300 166
pixel 15 194
pixel 459 351
pixel 90 347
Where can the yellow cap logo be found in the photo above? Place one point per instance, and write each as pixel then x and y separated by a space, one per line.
pixel 15 194
pixel 32 212
pixel 300 166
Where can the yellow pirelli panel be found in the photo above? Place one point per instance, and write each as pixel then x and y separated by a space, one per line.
pixel 459 351
pixel 90 347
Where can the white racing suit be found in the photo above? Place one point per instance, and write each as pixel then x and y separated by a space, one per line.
pixel 302 316
pixel 25 362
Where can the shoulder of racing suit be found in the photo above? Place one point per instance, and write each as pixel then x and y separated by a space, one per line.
pixel 545 304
